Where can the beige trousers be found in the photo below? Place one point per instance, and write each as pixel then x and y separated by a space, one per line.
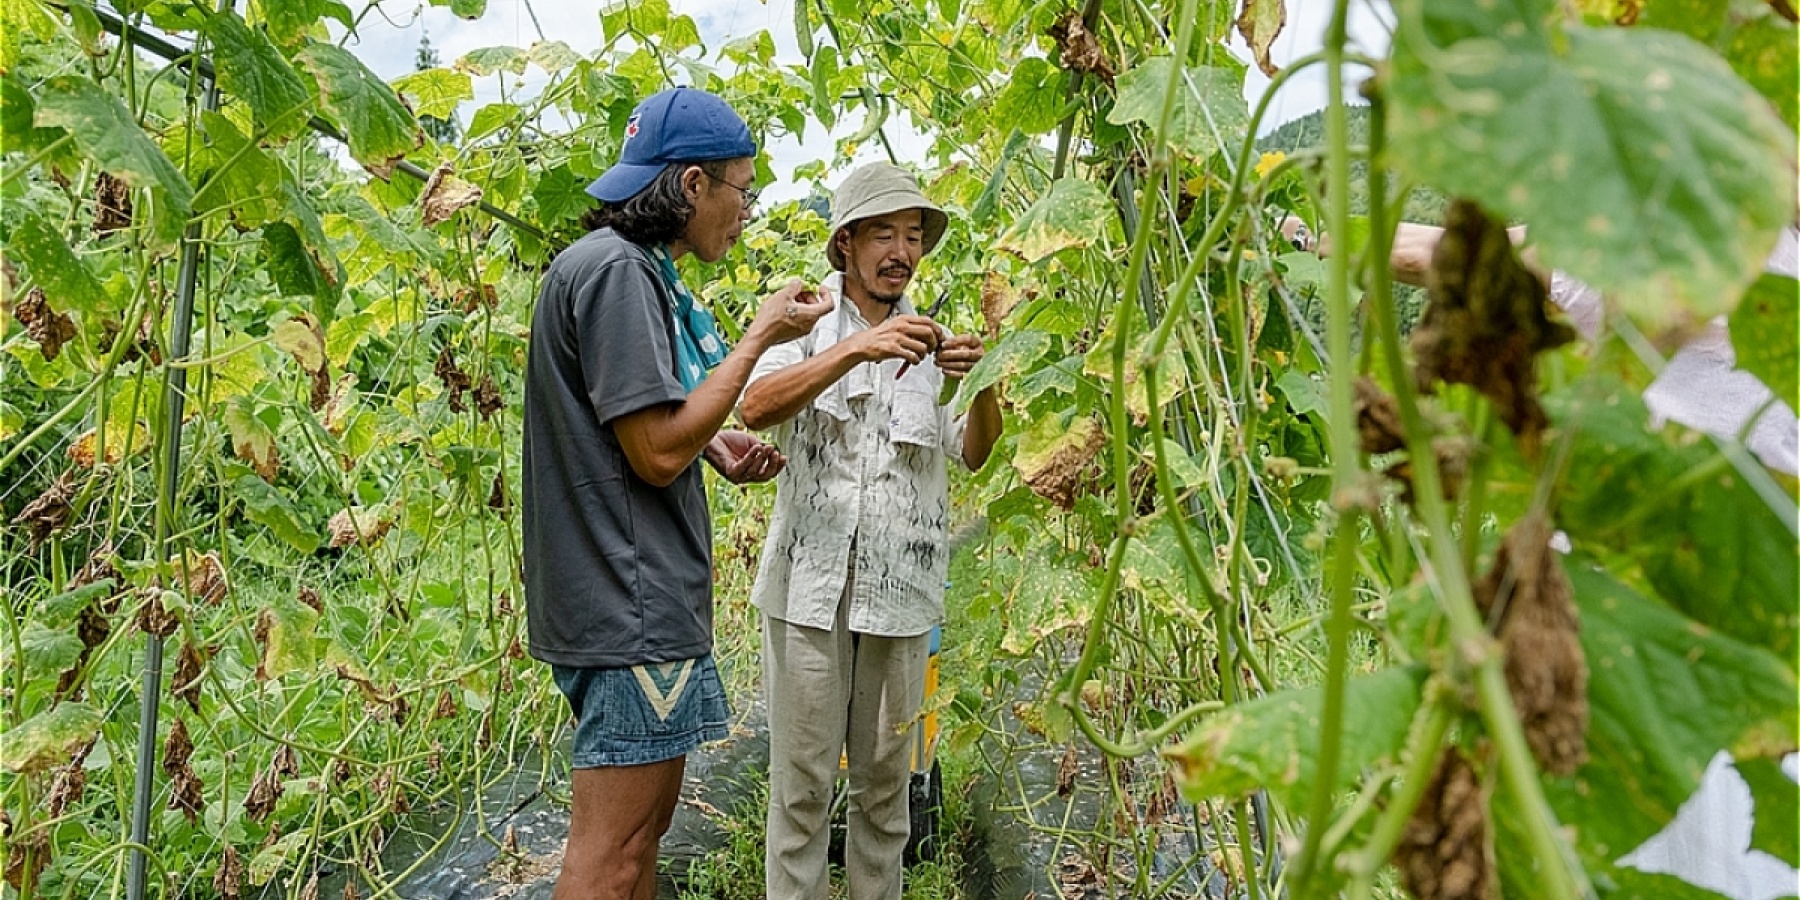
pixel 835 693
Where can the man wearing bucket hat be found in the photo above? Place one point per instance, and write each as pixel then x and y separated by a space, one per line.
pixel 851 580
pixel 619 407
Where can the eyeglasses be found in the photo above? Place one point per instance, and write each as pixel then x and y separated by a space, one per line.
pixel 750 194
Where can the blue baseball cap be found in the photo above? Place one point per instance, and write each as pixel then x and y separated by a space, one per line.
pixel 677 125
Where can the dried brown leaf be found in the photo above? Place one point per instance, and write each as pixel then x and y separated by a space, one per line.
pixel 487 397
pixel 48 327
pixel 112 204
pixel 1066 772
pixel 1487 321
pixel 189 666
pixel 455 380
pixel 228 880
pixel 1530 604
pixel 445 194
pixel 49 511
pixel 1080 50
pixel 1446 851
pixel 1260 22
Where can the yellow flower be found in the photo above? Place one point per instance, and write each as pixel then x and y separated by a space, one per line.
pixel 1268 162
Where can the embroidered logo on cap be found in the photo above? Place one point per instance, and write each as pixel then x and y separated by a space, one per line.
pixel 631 127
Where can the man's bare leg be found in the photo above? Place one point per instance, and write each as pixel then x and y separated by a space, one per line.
pixel 617 821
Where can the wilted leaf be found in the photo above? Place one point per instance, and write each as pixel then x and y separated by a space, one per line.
pixel 1675 229
pixel 1447 849
pixel 61 276
pixel 1526 599
pixel 1080 50
pixel 1273 741
pixel 300 336
pixel 1051 456
pixel 1260 22
pixel 445 194
pixel 380 128
pixel 297 267
pixel 185 683
pixel 119 438
pixel 488 60
pixel 45 651
pixel 105 130
pixel 251 439
pixel 359 525
pixel 1073 214
pixel 48 327
pixel 228 880
pixel 49 510
pixel 285 631
pixel 1209 112
pixel 1762 333
pixel 552 56
pixel 49 738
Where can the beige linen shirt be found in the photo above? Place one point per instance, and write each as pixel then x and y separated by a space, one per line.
pixel 866 473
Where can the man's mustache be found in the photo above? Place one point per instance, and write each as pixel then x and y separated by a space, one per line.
pixel 896 270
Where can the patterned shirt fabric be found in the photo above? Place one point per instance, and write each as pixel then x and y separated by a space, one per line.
pixel 866 473
pixel 699 348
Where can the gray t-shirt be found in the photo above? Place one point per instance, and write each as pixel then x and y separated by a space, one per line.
pixel 618 572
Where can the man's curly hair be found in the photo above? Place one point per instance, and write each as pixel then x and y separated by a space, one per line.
pixel 658 213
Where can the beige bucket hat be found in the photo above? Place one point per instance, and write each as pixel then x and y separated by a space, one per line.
pixel 876 190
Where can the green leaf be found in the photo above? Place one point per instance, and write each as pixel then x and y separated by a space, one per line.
pixel 488 60
pixel 287 629
pixel 290 21
pixel 1209 111
pixel 491 118
pixel 12 421
pixel 1666 694
pixel 1642 165
pixel 104 129
pixel 1761 52
pixel 1273 742
pixel 552 56
pixel 267 507
pixel 1073 214
pixel 1777 808
pixel 468 9
pixel 17 134
pixel 1013 355
pixel 235 173
pixel 1032 100
pixel 45 651
pixel 560 194
pixel 647 18
pixel 1762 333
pixel 824 77
pixel 66 280
pixel 65 607
pixel 1304 394
pixel 251 69
pixel 49 738
pixel 1709 545
pixel 435 92
pixel 380 129
pixel 19 18
pixel 988 204
pixel 291 264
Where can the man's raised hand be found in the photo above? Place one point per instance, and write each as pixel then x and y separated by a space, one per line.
pixel 788 314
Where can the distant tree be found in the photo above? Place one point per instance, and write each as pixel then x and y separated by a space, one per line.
pixel 444 131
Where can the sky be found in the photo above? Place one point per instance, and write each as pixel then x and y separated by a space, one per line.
pixel 388 39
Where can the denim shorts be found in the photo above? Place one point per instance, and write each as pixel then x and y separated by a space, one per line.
pixel 643 714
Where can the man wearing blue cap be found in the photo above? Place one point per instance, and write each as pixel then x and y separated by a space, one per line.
pixel 619 408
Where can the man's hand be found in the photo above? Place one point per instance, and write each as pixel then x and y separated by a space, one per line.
pixel 742 458
pixel 900 337
pixel 957 355
pixel 788 314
